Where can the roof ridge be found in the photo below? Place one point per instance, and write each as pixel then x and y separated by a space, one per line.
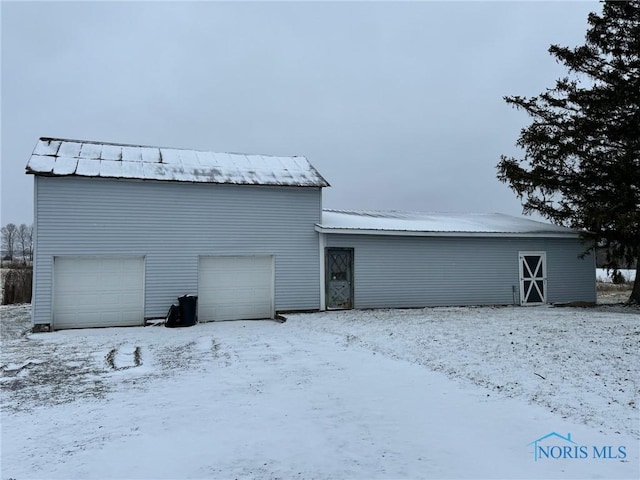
pixel 159 147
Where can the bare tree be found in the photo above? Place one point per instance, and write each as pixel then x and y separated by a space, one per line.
pixel 25 240
pixel 9 239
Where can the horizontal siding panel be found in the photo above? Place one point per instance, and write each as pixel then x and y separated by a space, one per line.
pixel 171 225
pixel 395 271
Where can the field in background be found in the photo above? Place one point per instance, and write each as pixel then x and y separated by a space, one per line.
pixel 614 292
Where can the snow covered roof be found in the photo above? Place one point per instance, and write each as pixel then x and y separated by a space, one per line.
pixel 59 157
pixel 436 224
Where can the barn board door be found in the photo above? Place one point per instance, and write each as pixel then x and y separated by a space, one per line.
pixel 533 278
pixel 339 278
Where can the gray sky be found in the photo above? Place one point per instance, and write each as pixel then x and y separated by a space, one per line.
pixel 398 105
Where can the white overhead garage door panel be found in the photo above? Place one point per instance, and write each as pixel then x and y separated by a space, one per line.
pixel 98 292
pixel 235 288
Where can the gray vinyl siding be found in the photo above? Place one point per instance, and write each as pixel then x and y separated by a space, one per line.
pixel 171 225
pixel 404 271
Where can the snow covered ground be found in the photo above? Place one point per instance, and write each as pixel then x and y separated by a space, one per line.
pixel 433 393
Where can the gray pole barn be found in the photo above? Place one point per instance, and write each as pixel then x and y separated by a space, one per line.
pixel 122 230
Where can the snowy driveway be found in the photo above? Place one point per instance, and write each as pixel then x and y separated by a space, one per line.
pixel 436 393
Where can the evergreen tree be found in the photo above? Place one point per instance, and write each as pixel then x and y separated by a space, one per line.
pixel 581 165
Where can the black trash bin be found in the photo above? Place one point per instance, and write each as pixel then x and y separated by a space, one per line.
pixel 188 310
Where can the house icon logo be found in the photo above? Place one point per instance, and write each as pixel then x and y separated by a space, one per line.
pixel 554 445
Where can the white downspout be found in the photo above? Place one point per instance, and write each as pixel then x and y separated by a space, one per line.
pixel 322 245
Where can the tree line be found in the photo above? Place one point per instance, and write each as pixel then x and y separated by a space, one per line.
pixel 17 241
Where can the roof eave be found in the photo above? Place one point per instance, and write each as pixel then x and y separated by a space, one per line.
pixel 30 171
pixel 417 233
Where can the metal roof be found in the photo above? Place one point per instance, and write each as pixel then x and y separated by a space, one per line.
pixel 436 224
pixel 60 157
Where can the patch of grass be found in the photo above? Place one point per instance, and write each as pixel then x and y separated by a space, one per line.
pixel 614 287
pixel 137 357
pixel 110 358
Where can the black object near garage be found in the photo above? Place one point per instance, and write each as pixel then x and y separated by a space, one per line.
pixel 184 314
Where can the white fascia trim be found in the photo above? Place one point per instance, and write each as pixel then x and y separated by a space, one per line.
pixel 414 233
pixel 34 257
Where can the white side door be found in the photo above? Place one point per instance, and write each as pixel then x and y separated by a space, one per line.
pixel 533 278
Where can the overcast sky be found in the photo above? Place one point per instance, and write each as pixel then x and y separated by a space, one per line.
pixel 398 105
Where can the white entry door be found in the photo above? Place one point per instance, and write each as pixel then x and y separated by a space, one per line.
pixel 98 292
pixel 533 278
pixel 236 287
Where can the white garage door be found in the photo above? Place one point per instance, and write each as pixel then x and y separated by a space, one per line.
pixel 98 292
pixel 234 288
